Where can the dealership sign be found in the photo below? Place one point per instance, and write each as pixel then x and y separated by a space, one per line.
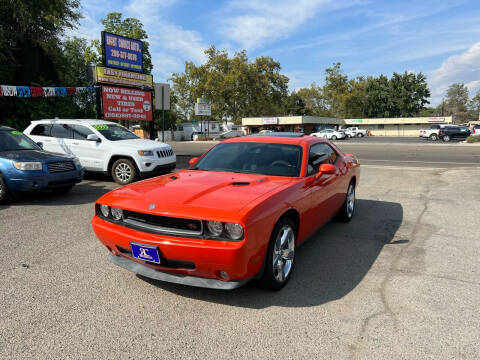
pixel 121 52
pixel 123 77
pixel 126 104
pixel 269 121
pixel 203 107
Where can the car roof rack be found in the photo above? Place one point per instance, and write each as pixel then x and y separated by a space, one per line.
pixel 279 134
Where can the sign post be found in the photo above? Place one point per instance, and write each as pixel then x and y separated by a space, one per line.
pixel 203 108
pixel 162 101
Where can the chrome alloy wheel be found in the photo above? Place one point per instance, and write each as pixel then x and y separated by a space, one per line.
pixel 283 253
pixel 123 172
pixel 350 200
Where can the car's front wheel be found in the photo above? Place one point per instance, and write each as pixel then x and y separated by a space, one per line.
pixel 433 137
pixel 446 138
pixel 4 194
pixel 124 171
pixel 280 255
pixel 334 137
pixel 360 135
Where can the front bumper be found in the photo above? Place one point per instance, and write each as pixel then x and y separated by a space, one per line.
pixel 23 181
pixel 174 278
pixel 188 261
pixel 159 170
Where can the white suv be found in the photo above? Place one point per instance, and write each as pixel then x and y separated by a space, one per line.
pixel 104 146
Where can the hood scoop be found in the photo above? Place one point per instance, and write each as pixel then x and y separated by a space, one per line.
pixel 240 183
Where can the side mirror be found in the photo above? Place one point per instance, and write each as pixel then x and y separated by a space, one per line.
pixel 326 169
pixel 40 144
pixel 193 161
pixel 93 137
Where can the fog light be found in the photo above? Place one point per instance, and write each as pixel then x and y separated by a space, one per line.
pixel 224 275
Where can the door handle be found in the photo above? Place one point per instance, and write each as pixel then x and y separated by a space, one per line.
pixel 75 143
pixel 47 140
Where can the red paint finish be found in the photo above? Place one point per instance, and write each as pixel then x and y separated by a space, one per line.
pixel 211 195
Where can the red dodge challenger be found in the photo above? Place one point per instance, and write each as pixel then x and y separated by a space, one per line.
pixel 238 213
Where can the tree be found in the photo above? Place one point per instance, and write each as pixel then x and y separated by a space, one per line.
pixel 314 100
pixel 409 93
pixel 129 27
pixel 456 102
pixel 336 85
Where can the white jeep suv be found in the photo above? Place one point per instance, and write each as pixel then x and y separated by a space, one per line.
pixel 103 146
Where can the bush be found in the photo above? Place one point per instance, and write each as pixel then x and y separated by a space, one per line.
pixel 473 139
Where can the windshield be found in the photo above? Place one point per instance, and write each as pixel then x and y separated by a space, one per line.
pixel 14 140
pixel 253 158
pixel 114 132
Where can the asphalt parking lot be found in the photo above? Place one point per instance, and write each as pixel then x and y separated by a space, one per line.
pixel 402 280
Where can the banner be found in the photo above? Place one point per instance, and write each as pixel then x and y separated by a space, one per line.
pixel 126 104
pixel 123 77
pixel 121 52
pixel 38 91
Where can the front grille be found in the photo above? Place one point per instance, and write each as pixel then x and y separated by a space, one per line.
pixel 163 224
pixel 165 153
pixel 63 166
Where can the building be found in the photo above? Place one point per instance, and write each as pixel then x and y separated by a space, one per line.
pixel 305 124
pixel 377 127
pixel 397 126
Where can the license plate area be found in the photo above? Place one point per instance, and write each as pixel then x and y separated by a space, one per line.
pixel 145 252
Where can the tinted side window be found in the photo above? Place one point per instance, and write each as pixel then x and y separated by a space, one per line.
pixel 41 130
pixel 81 132
pixel 320 154
pixel 62 131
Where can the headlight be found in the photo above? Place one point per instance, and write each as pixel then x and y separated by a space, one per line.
pixel 105 210
pixel 215 227
pixel 28 165
pixel 76 162
pixel 117 214
pixel 235 231
pixel 145 152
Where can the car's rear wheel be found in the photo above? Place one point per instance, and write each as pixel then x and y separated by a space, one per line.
pixel 446 138
pixel 360 135
pixel 348 208
pixel 280 255
pixel 124 171
pixel 433 137
pixel 334 137
pixel 4 193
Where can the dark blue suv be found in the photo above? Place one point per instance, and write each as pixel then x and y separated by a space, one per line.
pixel 24 166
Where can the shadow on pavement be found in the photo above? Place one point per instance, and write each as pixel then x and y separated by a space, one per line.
pixel 327 267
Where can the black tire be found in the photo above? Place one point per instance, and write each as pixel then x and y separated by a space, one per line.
pixel 447 138
pixel 271 279
pixel 4 193
pixel 124 171
pixel 348 210
pixel 433 137
pixel 63 189
pixel 360 135
pixel 334 137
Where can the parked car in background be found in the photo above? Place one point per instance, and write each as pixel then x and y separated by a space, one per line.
pixel 431 133
pixel 25 166
pixel 476 130
pixel 198 135
pixel 356 131
pixel 104 146
pixel 330 134
pixel 452 132
pixel 265 131
pixel 237 214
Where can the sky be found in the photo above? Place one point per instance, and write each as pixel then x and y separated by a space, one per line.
pixel 440 38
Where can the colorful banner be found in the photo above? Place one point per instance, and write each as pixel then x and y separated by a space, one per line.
pixel 121 52
pixel 126 104
pixel 123 77
pixel 38 91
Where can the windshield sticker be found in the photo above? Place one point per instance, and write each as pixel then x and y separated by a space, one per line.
pixel 100 127
pixel 16 132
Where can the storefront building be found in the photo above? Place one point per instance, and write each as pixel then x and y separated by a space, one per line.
pixel 377 127
pixel 305 124
pixel 397 126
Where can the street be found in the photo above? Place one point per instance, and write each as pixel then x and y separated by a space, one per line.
pixel 401 280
